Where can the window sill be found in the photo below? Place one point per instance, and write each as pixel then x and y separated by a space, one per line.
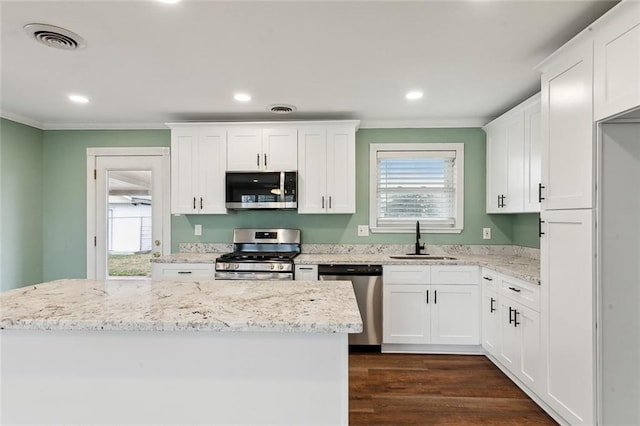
pixel 413 231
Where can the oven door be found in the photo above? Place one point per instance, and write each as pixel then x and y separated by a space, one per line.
pixel 256 275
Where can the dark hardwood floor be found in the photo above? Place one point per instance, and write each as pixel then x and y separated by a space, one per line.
pixel 401 389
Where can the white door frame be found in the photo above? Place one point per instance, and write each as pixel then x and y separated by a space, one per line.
pixel 92 231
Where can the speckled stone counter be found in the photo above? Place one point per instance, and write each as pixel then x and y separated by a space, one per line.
pixel 524 268
pixel 219 306
pixel 518 262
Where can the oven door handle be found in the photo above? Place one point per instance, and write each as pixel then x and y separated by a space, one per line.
pixel 261 276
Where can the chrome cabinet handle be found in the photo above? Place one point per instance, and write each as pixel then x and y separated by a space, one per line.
pixel 265 160
pixel 258 159
pixel 323 201
pixel 329 201
pixel 200 203
pixel 194 203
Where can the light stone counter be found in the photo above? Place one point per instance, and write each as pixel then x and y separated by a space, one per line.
pixel 518 262
pixel 205 305
pixel 524 268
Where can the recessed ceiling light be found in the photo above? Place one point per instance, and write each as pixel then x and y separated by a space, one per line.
pixel 413 95
pixel 169 1
pixel 242 97
pixel 80 99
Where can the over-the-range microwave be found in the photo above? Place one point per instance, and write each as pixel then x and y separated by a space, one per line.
pixel 261 190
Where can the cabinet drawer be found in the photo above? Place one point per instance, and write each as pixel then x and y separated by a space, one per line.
pixel 182 271
pixel 455 274
pixel 520 291
pixel 306 272
pixel 405 274
pixel 490 279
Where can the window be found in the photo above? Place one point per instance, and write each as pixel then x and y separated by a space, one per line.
pixel 416 182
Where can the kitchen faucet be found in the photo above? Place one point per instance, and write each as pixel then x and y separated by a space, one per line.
pixel 418 245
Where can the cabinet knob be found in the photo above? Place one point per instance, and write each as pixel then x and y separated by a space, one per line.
pixel 156 254
pixel 156 242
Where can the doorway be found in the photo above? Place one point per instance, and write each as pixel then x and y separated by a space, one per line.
pixel 128 211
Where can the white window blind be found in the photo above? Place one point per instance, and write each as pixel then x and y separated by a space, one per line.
pixel 416 186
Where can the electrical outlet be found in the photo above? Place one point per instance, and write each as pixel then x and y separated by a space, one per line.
pixel 197 230
pixel 486 233
pixel 363 230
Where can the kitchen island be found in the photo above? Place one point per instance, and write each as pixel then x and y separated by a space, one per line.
pixel 195 352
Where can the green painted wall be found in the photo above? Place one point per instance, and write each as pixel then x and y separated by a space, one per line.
pixel 525 230
pixel 65 192
pixel 342 228
pixel 64 198
pixel 21 180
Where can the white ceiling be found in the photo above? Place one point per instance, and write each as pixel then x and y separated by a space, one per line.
pixel 147 63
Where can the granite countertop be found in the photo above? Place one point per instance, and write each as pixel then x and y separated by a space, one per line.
pixel 521 267
pixel 203 305
pixel 518 266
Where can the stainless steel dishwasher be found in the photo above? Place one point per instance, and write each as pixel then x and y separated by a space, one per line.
pixel 367 285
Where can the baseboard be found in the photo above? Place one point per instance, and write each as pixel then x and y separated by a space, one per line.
pixel 432 349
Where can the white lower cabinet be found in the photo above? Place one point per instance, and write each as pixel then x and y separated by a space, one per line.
pixel 182 271
pixel 511 326
pixel 406 313
pixel 417 310
pixel 490 312
pixel 306 272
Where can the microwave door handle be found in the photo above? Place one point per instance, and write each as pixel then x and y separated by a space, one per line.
pixel 282 198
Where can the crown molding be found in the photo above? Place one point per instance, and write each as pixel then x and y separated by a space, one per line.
pixel 22 119
pixel 426 123
pixel 364 124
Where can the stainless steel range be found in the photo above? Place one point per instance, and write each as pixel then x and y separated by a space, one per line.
pixel 260 254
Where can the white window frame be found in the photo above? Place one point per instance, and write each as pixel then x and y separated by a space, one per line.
pixel 373 187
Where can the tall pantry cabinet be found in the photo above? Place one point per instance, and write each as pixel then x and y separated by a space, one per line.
pixel 594 76
pixel 567 245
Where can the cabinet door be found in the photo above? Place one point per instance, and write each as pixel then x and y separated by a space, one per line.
pixel 567 313
pixel 280 149
pixel 497 167
pixel 405 314
pixel 312 170
pixel 244 149
pixel 184 170
pixel 532 156
pixel 617 61
pixel 341 170
pixel 529 363
pixel 212 159
pixel 514 198
pixel 509 354
pixel 567 130
pixel 490 313
pixel 455 318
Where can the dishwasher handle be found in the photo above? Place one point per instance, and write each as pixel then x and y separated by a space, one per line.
pixel 350 270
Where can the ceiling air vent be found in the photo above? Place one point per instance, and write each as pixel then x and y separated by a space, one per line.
pixel 282 108
pixel 55 37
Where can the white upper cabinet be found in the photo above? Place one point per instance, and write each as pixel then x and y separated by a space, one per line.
pixel 617 61
pixel 513 159
pixel 326 169
pixel 198 159
pixel 567 129
pixel 532 156
pixel 256 149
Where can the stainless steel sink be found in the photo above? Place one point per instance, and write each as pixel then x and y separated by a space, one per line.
pixel 421 257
